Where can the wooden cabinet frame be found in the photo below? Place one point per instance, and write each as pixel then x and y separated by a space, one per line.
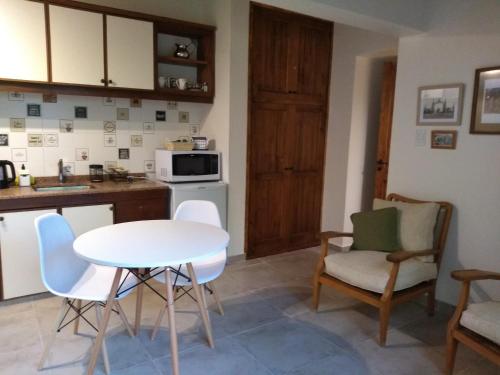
pixel 203 32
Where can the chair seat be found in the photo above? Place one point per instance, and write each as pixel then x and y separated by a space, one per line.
pixel 370 270
pixel 95 284
pixel 483 319
pixel 206 271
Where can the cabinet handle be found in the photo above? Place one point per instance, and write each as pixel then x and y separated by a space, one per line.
pixel 2 218
pixel 111 82
pixel 103 80
pixel 111 208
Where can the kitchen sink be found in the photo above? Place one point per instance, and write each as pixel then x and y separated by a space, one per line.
pixel 61 188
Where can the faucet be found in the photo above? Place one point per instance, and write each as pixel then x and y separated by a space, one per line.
pixel 62 177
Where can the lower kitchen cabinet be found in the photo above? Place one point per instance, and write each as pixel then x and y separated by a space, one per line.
pixel 140 209
pixel 19 253
pixel 85 218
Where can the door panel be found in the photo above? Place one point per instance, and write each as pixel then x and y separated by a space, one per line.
pixel 23 41
pixel 77 46
pixel 130 53
pixel 85 218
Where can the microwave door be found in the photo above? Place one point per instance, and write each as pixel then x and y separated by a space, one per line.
pixel 189 165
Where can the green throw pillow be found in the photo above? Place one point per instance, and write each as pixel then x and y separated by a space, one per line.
pixel 376 230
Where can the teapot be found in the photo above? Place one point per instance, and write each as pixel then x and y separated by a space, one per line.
pixel 4 177
pixel 181 51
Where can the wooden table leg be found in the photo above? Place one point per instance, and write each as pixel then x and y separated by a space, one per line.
pixel 171 322
pixel 104 322
pixel 138 305
pixel 199 299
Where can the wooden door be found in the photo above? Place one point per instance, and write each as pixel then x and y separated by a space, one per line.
pixel 130 53
pixel 77 46
pixel 267 230
pixel 20 255
pixel 306 175
pixel 23 41
pixel 385 128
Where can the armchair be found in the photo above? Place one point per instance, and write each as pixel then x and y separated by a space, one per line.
pixel 475 325
pixel 383 279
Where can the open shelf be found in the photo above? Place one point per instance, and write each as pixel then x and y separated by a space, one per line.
pixel 180 61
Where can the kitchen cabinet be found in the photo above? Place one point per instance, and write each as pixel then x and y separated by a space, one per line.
pixel 77 46
pixel 19 253
pixel 130 49
pixel 24 46
pixel 85 218
pixel 140 209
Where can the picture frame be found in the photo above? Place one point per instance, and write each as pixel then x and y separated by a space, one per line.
pixel 485 114
pixel 444 139
pixel 440 104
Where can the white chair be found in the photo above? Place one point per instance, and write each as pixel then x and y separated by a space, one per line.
pixel 71 277
pixel 206 271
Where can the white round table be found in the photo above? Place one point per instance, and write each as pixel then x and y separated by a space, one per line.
pixel 151 244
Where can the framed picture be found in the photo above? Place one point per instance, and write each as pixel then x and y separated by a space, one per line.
pixel 123 153
pixel 440 105
pixel 80 112
pixel 444 139
pixel 485 118
pixel 33 110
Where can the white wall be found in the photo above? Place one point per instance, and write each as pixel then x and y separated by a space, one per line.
pixel 463 36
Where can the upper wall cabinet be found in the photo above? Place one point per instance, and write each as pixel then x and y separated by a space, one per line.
pixel 23 44
pixel 77 46
pixel 68 47
pixel 130 45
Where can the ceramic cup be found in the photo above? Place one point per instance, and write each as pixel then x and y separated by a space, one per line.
pixel 161 81
pixel 181 83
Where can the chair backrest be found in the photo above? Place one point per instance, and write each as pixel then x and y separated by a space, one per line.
pixel 200 211
pixel 442 222
pixel 60 266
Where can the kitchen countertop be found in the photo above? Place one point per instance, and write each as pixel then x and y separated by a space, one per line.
pixel 108 186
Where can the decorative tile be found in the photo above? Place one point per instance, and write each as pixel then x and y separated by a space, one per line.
pixel 136 140
pixel 183 117
pixel 148 127
pixel 4 139
pixel 80 112
pixel 16 96
pixel 109 101
pixel 17 125
pixel 66 126
pixel 35 140
pixel 194 130
pixel 50 98
pixel 68 168
pixel 161 116
pixel 122 114
pixel 82 154
pixel 149 166
pixel 109 126
pixel 33 110
pixel 172 106
pixel 135 103
pixel 51 140
pixel 123 153
pixel 109 140
pixel 19 155
pixel 110 164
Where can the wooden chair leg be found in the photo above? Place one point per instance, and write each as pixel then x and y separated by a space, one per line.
pixel 53 334
pixel 77 320
pixel 316 294
pixel 124 319
pixel 451 351
pixel 384 313
pixel 105 358
pixel 204 299
pixel 154 332
pixel 216 297
pixel 431 302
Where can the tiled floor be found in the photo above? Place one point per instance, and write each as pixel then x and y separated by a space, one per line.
pixel 268 329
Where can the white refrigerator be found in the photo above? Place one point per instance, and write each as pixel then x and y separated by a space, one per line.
pixel 209 191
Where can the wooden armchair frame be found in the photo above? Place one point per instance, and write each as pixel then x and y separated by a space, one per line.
pixel 386 300
pixel 458 333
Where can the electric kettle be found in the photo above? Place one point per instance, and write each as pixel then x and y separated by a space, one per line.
pixel 4 176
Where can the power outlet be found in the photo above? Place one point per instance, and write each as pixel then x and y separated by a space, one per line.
pixel 194 130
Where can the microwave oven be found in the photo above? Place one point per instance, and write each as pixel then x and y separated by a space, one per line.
pixel 188 166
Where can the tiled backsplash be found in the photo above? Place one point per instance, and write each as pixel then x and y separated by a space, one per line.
pixel 104 137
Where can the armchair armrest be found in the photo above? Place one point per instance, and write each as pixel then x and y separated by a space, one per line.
pixel 472 275
pixel 402 255
pixel 333 234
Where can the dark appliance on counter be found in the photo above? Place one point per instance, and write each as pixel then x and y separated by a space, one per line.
pixel 4 176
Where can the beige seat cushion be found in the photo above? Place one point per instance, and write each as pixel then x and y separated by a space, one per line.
pixel 416 224
pixel 484 319
pixel 370 270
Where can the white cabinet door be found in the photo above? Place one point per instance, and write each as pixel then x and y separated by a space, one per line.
pixel 77 46
pixel 20 254
pixel 130 53
pixel 85 218
pixel 22 40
